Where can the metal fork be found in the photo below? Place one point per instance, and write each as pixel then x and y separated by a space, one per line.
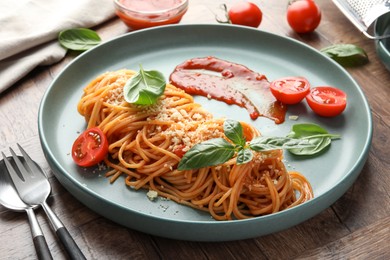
pixel 9 198
pixel 34 188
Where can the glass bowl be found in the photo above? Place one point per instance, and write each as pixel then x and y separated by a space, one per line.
pixel 139 14
pixel 382 27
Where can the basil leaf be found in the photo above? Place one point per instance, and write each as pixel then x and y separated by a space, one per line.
pixel 79 39
pixel 347 55
pixel 319 144
pixel 145 87
pixel 314 134
pixel 244 156
pixel 303 130
pixel 233 131
pixel 263 143
pixel 209 153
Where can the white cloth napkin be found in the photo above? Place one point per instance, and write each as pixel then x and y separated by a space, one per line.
pixel 29 31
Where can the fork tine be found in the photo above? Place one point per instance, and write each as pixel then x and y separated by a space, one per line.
pixel 33 167
pixel 23 172
pixel 9 166
pixel 4 157
pixel 7 163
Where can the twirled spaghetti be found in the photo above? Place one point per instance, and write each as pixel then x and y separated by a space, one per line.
pixel 146 144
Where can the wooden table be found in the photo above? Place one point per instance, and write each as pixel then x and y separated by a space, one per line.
pixel 357 226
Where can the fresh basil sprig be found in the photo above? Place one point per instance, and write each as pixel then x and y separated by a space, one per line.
pixel 145 87
pixel 314 134
pixel 304 139
pixel 347 55
pixel 78 39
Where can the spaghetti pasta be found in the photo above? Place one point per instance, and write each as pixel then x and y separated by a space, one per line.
pixel 146 144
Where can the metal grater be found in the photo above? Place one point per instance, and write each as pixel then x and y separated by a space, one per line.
pixel 363 13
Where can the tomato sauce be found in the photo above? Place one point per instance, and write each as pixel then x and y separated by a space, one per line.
pixel 144 14
pixel 230 83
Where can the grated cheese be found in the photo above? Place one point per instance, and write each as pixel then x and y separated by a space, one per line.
pixel 152 195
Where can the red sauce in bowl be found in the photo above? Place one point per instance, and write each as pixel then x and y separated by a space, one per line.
pixel 138 14
pixel 230 83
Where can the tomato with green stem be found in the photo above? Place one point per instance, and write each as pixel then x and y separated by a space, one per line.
pixel 290 90
pixel 90 148
pixel 327 101
pixel 243 13
pixel 303 16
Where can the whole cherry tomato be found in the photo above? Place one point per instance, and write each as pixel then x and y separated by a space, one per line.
pixel 245 13
pixel 303 16
pixel 327 101
pixel 90 147
pixel 290 90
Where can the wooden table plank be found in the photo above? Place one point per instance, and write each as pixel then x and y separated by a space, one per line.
pixel 358 245
pixel 357 226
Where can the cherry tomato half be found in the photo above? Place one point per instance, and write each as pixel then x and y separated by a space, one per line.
pixel 90 147
pixel 290 90
pixel 179 151
pixel 303 16
pixel 327 101
pixel 245 13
